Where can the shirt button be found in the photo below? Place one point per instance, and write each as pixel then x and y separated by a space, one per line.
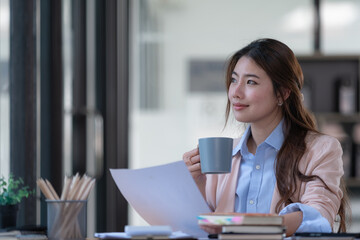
pixel 257 167
pixel 251 202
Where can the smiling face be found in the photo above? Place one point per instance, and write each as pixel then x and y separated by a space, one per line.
pixel 251 94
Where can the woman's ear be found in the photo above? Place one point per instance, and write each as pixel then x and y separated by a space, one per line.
pixel 285 94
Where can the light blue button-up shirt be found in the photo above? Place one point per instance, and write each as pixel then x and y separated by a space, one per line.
pixel 257 180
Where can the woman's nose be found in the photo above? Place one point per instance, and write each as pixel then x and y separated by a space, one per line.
pixel 239 91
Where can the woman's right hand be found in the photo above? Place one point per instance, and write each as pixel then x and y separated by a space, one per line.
pixel 192 161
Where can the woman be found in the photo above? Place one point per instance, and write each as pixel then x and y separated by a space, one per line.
pixel 281 164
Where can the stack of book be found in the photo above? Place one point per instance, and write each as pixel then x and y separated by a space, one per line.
pixel 245 225
pixel 327 236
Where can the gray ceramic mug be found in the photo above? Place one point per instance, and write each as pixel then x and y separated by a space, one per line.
pixel 215 154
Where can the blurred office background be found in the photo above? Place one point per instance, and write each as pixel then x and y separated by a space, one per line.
pixel 90 85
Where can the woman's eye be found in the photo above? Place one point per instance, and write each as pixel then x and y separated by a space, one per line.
pixel 233 80
pixel 251 82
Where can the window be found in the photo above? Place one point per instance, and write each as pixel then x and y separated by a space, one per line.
pixel 340 26
pixel 4 88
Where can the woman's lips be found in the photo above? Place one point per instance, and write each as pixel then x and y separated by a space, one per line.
pixel 239 106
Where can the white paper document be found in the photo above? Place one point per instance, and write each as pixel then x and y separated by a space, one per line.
pixel 124 235
pixel 164 195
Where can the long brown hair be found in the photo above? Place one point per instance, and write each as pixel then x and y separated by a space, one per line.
pixel 281 65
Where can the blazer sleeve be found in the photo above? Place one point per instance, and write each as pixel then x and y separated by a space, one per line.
pixel 324 159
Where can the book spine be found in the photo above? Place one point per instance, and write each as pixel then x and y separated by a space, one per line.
pixel 221 221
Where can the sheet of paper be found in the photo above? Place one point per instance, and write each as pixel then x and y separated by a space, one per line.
pixel 164 195
pixel 117 235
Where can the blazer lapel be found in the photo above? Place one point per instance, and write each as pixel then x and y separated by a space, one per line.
pixel 226 201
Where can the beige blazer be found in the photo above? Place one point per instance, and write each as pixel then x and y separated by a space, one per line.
pixel 323 157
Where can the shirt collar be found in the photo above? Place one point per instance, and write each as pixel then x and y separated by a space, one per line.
pixel 275 139
pixel 241 145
